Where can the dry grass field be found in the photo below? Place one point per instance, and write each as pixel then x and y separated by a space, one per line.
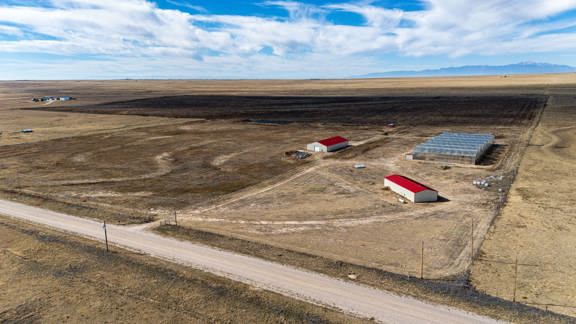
pixel 118 154
pixel 538 225
pixel 224 171
pixel 48 277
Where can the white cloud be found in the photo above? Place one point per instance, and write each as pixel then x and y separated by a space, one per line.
pixel 455 27
pixel 299 10
pixel 10 30
pixel 188 5
pixel 307 41
pixel 381 18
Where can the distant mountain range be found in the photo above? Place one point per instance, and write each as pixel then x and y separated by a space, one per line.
pixel 519 68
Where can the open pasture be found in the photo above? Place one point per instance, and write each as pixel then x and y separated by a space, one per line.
pixel 220 166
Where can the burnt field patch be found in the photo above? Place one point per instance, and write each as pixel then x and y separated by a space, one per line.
pixel 359 110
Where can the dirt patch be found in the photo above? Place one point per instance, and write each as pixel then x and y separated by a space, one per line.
pixel 360 150
pixel 563 143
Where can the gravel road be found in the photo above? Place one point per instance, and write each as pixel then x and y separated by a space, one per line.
pixel 305 285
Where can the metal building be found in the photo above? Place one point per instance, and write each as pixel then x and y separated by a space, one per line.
pixel 410 189
pixel 328 145
pixel 454 147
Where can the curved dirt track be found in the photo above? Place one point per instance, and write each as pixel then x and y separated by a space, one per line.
pixel 561 144
pixel 163 162
pixel 340 222
pixel 312 287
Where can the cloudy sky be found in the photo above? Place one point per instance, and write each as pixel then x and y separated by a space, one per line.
pixel 103 39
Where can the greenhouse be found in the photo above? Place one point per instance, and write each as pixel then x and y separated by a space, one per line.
pixel 454 147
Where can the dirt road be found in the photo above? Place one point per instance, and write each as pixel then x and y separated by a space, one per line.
pixel 300 284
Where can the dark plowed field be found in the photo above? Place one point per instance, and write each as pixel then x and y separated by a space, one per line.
pixel 456 110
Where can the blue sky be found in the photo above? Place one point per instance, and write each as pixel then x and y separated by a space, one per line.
pixel 110 39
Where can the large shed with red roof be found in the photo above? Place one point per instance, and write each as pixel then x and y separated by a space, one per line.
pixel 328 144
pixel 410 189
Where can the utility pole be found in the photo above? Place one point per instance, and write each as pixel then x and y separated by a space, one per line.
pixel 515 277
pixel 472 241
pixel 422 262
pixel 106 236
pixel 175 217
pixel 516 265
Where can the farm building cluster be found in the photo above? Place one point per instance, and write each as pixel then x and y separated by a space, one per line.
pixel 52 98
pixel 449 147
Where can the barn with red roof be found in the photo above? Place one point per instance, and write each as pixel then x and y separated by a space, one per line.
pixel 328 144
pixel 410 189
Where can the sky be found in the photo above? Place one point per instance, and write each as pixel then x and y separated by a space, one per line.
pixel 270 39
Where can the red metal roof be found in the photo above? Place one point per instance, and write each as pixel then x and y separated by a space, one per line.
pixel 408 183
pixel 333 141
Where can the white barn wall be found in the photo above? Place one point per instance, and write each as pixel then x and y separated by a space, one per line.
pixel 323 148
pixel 399 190
pixel 312 146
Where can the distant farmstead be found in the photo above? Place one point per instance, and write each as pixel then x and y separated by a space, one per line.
pixel 52 98
pixel 328 145
pixel 410 189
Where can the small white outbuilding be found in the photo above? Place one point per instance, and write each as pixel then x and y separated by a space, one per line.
pixel 410 189
pixel 328 145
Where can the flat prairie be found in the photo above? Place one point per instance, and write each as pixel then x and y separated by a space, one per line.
pixel 219 163
pixel 211 154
